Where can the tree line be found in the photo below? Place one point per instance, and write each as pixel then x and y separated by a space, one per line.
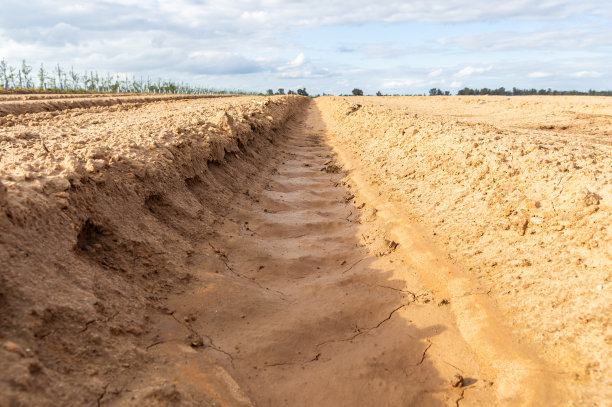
pixel 499 91
pixel 520 92
pixel 64 80
pixel 281 91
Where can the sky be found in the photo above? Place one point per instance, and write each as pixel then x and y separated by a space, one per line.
pixel 325 46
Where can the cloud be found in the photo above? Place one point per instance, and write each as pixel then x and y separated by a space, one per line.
pixel 307 73
pixel 402 83
pixel 586 74
pixel 219 63
pixel 255 42
pixel 470 70
pixel 381 50
pixel 569 38
pixel 455 84
pixel 539 74
pixel 298 61
pixel 301 68
pixel 435 73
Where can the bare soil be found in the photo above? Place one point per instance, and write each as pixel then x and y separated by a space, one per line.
pixel 515 194
pixel 276 251
pixel 14 104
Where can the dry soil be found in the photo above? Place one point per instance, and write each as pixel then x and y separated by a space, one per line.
pixel 286 251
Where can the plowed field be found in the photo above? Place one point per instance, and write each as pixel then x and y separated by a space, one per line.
pixel 251 251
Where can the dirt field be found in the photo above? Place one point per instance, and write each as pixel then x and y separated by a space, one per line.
pixel 515 193
pixel 246 251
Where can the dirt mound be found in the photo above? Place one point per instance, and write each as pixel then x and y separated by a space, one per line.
pixel 99 209
pixel 524 212
pixel 12 105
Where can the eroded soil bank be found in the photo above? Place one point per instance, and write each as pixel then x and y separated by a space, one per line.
pixel 306 301
pixel 100 210
pixel 268 251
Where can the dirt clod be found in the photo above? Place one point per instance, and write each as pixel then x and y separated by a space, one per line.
pixel 195 341
pixel 457 380
pixel 14 348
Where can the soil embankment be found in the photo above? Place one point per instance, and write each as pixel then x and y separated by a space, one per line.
pixel 15 105
pixel 514 194
pixel 216 252
pixel 99 212
pixel 306 302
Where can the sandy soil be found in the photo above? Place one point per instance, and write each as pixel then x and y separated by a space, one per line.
pixel 516 192
pixel 14 105
pixel 98 221
pixel 297 309
pixel 218 252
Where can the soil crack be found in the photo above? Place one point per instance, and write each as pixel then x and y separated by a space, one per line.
pixel 461 397
pixel 361 331
pixel 223 257
pixel 353 265
pixel 414 297
pixel 211 344
pixel 101 396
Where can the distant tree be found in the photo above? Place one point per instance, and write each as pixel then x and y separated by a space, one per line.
pixel 41 77
pixel 59 72
pixel 302 92
pixel 270 92
pixel 27 70
pixel 3 73
pixel 74 78
pixel 281 91
pixel 290 92
pixel 11 76
pixel 20 78
pixel 379 93
pixel 52 83
pixel 357 92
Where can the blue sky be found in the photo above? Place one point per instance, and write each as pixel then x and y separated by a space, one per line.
pixel 326 46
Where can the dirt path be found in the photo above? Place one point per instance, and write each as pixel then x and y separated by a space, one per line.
pixel 295 310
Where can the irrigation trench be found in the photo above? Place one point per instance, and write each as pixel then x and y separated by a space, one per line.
pixel 320 310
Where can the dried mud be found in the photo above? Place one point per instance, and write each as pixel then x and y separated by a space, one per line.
pixel 276 251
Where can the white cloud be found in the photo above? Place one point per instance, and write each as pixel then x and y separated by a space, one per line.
pixel 301 68
pixel 569 38
pixel 586 74
pixel 455 84
pixel 470 70
pixel 435 73
pixel 400 83
pixel 539 74
pixel 256 16
pixel 220 63
pixel 298 61
pixel 259 43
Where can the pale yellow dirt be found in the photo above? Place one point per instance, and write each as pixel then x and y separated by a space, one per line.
pixel 12 105
pixel 252 251
pixel 516 193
